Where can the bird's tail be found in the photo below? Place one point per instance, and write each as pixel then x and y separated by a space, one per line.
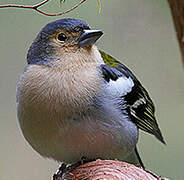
pixel 134 158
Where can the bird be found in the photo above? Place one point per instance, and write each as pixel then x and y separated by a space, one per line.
pixel 74 100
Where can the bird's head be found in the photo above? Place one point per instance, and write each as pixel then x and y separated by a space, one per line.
pixel 60 40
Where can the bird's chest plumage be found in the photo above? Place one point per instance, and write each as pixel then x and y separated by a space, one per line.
pixel 66 117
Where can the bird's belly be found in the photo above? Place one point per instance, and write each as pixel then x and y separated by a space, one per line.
pixel 63 127
pixel 93 134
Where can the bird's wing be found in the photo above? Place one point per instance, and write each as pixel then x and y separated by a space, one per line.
pixel 139 105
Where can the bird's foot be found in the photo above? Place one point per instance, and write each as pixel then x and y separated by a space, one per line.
pixel 59 173
pixel 82 161
pixel 65 169
pixel 86 160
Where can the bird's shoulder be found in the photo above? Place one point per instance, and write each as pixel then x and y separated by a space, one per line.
pixel 139 105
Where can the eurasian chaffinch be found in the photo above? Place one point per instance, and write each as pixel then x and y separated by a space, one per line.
pixel 75 101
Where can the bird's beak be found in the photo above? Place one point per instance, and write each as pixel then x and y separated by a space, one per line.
pixel 89 37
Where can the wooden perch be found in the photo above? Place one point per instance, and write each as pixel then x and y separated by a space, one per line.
pixel 177 10
pixel 105 170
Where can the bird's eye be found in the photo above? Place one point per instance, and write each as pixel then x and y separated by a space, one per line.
pixel 62 37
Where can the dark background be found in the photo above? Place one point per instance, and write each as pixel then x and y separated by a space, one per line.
pixel 140 34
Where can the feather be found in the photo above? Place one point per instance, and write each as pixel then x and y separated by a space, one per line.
pixel 139 105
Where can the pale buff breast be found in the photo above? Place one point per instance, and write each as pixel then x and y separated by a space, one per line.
pixel 70 82
pixel 49 97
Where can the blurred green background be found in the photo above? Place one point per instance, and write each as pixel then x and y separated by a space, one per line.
pixel 139 33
